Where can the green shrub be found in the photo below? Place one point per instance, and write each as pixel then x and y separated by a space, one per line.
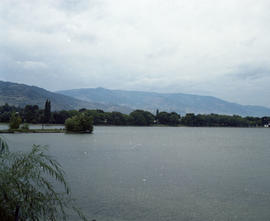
pixel 27 186
pixel 25 126
pixel 15 121
pixel 79 123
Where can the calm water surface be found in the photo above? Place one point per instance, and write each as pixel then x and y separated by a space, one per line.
pixel 164 173
pixel 4 126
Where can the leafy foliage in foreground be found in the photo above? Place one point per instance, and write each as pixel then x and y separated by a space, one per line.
pixel 27 186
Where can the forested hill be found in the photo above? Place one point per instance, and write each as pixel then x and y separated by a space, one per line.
pixel 180 103
pixel 21 95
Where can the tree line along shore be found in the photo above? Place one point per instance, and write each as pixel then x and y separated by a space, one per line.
pixel 34 115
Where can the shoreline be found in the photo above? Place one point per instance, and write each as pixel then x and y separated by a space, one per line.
pixel 8 131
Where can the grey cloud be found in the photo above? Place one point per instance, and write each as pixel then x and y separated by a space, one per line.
pixel 163 51
pixel 208 47
pixel 252 72
pixel 32 64
pixel 75 6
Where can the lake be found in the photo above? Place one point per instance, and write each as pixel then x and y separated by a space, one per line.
pixel 164 173
pixel 4 126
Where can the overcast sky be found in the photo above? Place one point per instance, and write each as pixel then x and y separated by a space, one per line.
pixel 206 47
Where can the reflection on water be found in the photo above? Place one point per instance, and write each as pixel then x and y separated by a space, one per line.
pixel 164 173
pixel 4 126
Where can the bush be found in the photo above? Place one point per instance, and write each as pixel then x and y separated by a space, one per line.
pixel 79 123
pixel 27 186
pixel 15 121
pixel 25 127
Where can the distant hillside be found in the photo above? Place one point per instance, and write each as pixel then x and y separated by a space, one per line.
pixel 21 95
pixel 181 103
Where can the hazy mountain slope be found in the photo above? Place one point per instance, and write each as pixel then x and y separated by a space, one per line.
pixel 21 95
pixel 181 103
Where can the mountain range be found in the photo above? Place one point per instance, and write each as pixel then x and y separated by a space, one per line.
pixel 21 95
pixel 178 102
pixel 123 101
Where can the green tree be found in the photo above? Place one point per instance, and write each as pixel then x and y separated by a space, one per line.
pixel 189 120
pixel 31 114
pixel 5 112
pixel 59 117
pixel 79 123
pixel 47 111
pixel 27 187
pixel 15 121
pixel 141 118
pixel 163 118
pixel 98 116
pixel 174 119
pixel 156 116
pixel 118 118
